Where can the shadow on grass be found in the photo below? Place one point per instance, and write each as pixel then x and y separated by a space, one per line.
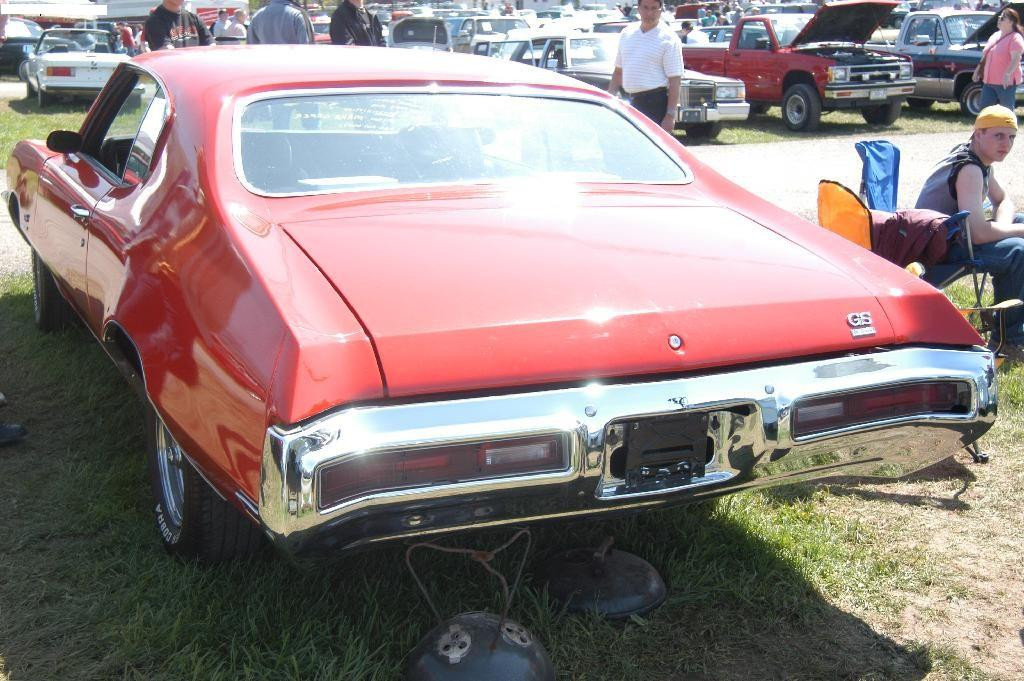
pixel 87 592
pixel 947 469
pixel 31 106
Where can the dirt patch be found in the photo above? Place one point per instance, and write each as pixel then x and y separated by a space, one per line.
pixel 966 521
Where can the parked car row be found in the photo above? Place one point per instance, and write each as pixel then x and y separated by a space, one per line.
pixel 807 64
pixel 705 102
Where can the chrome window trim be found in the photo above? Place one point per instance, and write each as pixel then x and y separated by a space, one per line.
pixel 539 92
pixel 751 413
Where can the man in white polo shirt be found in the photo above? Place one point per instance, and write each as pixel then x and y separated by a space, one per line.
pixel 649 65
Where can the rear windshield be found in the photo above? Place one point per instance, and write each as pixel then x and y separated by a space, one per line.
pixel 420 32
pixel 333 142
pixel 74 41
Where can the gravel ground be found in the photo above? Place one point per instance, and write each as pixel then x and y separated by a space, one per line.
pixel 786 173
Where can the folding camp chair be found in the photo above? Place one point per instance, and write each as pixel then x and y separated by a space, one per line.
pixel 880 180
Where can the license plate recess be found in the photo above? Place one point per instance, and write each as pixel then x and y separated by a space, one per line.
pixel 665 451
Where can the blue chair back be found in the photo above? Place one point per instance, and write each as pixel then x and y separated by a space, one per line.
pixel 880 176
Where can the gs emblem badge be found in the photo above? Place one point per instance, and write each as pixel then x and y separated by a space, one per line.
pixel 860 324
pixel 858 319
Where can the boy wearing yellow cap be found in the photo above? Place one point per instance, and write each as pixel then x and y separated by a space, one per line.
pixel 963 181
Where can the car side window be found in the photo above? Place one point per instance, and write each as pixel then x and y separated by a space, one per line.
pixel 113 147
pixel 753 37
pixel 140 159
pixel 554 55
pixel 924 31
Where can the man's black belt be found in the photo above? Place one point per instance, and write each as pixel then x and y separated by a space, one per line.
pixel 648 93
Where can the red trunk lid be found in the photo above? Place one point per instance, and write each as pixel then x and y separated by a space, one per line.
pixel 503 290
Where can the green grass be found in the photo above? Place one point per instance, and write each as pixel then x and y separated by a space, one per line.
pixel 22 119
pixel 87 592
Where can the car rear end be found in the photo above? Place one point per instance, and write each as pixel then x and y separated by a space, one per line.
pixel 539 363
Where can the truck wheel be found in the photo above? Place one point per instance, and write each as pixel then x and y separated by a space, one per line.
pixel 918 103
pixel 801 108
pixel 970 99
pixel 194 523
pixel 884 114
pixel 758 108
pixel 703 131
pixel 50 310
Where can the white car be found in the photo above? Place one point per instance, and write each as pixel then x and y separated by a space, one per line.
pixel 70 61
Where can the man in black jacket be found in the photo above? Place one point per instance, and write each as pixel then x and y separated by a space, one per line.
pixel 169 25
pixel 351 24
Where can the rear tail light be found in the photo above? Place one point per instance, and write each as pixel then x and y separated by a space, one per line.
pixel 66 71
pixel 404 469
pixel 832 412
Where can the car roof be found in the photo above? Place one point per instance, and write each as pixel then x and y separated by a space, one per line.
pixel 245 69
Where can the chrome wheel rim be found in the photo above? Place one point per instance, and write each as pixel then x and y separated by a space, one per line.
pixel 974 102
pixel 795 110
pixel 170 465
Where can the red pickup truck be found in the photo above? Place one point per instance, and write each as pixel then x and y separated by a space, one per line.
pixel 812 63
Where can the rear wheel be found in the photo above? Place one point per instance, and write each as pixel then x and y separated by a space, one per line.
pixel 30 92
pixel 970 100
pixel 51 311
pixel 193 522
pixel 801 108
pixel 43 98
pixel 884 114
pixel 918 103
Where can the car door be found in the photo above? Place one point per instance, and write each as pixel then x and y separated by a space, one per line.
pixel 126 149
pixel 923 41
pixel 750 58
pixel 70 186
pixel 553 58
pixel 464 36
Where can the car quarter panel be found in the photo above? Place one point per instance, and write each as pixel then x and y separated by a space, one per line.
pixel 207 291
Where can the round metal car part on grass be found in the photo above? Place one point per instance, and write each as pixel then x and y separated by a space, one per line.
pixel 171 470
pixel 611 583
pixel 475 646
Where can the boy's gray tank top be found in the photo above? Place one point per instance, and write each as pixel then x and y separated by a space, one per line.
pixel 939 191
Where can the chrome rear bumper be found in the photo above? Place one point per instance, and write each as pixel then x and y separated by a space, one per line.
pixel 749 427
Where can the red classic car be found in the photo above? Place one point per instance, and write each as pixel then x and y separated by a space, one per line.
pixel 396 293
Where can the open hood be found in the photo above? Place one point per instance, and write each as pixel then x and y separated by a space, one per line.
pixel 485 291
pixel 852 21
pixel 985 31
